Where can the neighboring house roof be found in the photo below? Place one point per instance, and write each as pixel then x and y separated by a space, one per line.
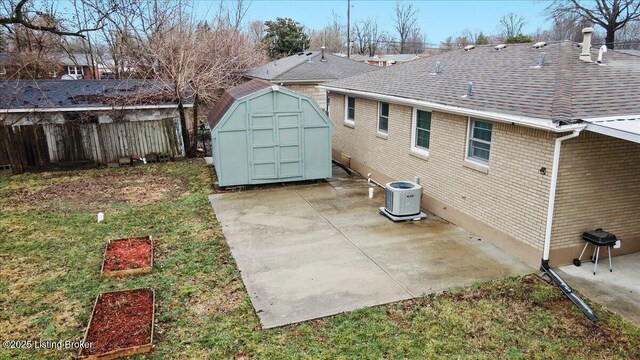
pixel 69 95
pixel 75 59
pixel 232 95
pixel 309 66
pixel 395 58
pixel 564 90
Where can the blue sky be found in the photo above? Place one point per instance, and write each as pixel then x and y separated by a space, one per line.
pixel 438 19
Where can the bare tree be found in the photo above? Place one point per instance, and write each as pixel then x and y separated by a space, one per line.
pixel 629 36
pixel 22 13
pixel 405 23
pixel 511 24
pixel 256 31
pixel 200 60
pixel 611 15
pixel 332 36
pixel 366 37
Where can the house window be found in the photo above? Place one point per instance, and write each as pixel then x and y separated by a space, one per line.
pixel 75 70
pixel 479 145
pixel 383 117
pixel 421 131
pixel 350 110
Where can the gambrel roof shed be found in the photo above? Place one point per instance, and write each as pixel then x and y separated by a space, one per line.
pixel 263 133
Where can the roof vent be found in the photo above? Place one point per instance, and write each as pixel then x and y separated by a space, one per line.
pixel 469 47
pixel 603 49
pixel 469 90
pixel 585 55
pixel 540 61
pixel 540 44
pixel 500 46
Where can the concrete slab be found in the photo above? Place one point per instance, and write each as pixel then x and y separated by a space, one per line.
pixel 617 291
pixel 310 251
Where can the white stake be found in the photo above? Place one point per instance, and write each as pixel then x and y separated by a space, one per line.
pixel 100 217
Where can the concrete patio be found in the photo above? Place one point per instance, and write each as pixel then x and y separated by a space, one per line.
pixel 309 251
pixel 617 291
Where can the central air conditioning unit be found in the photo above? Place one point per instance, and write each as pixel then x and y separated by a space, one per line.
pixel 402 201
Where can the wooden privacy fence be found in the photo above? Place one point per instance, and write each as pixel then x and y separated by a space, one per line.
pixel 33 146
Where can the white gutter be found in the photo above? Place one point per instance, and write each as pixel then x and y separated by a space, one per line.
pixel 552 191
pixel 537 123
pixel 88 108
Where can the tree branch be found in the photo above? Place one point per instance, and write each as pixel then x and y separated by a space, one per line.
pixel 17 17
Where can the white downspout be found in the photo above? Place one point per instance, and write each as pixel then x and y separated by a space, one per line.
pixel 552 192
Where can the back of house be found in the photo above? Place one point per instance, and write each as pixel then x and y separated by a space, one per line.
pixel 483 128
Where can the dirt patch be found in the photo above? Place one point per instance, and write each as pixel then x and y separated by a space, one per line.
pixel 95 193
pixel 126 255
pixel 121 320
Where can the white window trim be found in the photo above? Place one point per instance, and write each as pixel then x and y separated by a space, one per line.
pixel 383 133
pixel 3 70
pixel 475 161
pixel 414 122
pixel 348 121
pixel 75 68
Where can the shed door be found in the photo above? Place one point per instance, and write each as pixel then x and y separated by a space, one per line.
pixel 275 146
pixel 289 151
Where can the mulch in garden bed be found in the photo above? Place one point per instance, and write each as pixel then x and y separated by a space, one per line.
pixel 121 324
pixel 129 256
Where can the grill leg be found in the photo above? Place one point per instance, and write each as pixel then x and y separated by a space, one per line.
pixel 595 267
pixel 610 267
pixel 583 249
pixel 595 248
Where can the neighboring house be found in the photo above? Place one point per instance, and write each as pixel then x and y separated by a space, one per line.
pixel 264 133
pixel 81 66
pixel 304 71
pixel 57 122
pixel 485 152
pixel 385 60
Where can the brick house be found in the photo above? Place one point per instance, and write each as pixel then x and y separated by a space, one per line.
pixel 482 127
pixel 304 71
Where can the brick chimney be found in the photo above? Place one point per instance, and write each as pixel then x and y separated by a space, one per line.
pixel 585 55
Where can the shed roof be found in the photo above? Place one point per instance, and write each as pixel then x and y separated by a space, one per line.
pixel 232 95
pixel 309 66
pixel 564 90
pixel 30 95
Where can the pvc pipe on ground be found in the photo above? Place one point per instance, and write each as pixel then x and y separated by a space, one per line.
pixel 370 180
pixel 370 193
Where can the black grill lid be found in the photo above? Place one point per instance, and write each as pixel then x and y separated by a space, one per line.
pixel 599 236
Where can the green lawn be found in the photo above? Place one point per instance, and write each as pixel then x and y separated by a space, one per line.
pixel 51 250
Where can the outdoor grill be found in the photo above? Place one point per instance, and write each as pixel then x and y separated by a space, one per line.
pixel 598 238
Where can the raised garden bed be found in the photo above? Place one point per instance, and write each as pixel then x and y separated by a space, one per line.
pixel 121 324
pixel 131 256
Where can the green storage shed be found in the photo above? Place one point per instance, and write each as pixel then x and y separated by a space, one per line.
pixel 263 133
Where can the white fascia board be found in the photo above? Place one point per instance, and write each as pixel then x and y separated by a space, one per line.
pixel 102 108
pixel 532 122
pixel 621 127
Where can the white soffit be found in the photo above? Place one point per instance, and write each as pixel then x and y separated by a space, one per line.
pixel 621 127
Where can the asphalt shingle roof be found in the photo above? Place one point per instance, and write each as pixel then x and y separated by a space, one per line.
pixel 564 89
pixel 230 96
pixel 310 67
pixel 34 94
